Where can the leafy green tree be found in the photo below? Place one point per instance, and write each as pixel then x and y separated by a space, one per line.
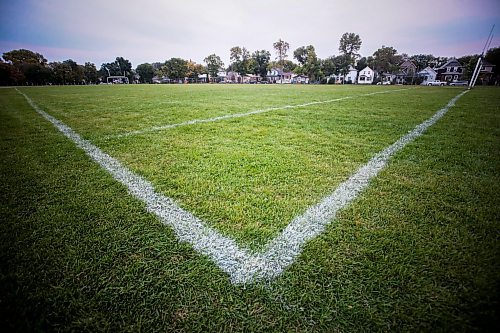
pixel 311 65
pixel 61 72
pixel 281 47
pixel 302 53
pixel 362 63
pixel 469 62
pixel 10 75
pixel 342 63
pixel 77 73
pixel 146 72
pixel 422 60
pixel 32 65
pixel 240 60
pixel 493 57
pixel 214 65
pixel 90 73
pixel 386 60
pixel 175 68
pixel 350 43
pixel 329 66
pixel 125 67
pixel 259 62
pixel 22 57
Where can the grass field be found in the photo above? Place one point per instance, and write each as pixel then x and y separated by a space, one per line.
pixel 417 251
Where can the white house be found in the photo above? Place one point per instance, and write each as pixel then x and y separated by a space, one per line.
pixel 276 75
pixel 427 74
pixel 301 79
pixel 350 77
pixel 366 76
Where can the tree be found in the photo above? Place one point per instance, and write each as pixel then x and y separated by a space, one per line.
pixel 422 60
pixel 90 73
pixel 32 65
pixel 385 60
pixel 350 43
pixel 194 70
pixel 22 57
pixel 146 72
pixel 342 63
pixel 61 72
pixel 10 75
pixel 175 68
pixel 469 62
pixel 240 60
pixel 493 57
pixel 328 66
pixel 362 63
pixel 214 65
pixel 301 53
pixel 259 62
pixel 125 67
pixel 281 47
pixel 311 66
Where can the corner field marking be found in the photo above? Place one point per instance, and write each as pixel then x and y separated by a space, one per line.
pixel 239 115
pixel 240 264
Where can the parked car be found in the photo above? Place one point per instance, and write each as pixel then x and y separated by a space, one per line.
pixel 384 83
pixel 436 83
pixel 459 83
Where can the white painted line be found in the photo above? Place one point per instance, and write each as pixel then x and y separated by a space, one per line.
pixel 240 264
pixel 239 115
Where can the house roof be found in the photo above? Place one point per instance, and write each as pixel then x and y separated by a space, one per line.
pixel 427 70
pixel 407 63
pixel 452 62
pixel 367 68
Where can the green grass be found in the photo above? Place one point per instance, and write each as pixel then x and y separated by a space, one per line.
pixel 418 251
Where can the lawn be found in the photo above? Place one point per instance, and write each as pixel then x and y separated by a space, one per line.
pixel 417 251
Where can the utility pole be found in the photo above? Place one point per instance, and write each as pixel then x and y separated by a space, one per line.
pixel 477 70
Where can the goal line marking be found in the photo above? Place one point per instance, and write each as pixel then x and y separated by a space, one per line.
pixel 245 114
pixel 242 265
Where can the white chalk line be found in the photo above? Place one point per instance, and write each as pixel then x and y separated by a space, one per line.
pixel 241 264
pixel 239 115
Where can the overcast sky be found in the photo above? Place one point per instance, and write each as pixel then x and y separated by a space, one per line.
pixel 156 30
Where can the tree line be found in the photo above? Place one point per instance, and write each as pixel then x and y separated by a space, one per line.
pixel 25 67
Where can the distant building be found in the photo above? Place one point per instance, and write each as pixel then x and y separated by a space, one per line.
pixel 300 79
pixel 366 76
pixel 486 73
pixel 406 73
pixel 427 75
pixel 350 77
pixel 451 71
pixel 276 75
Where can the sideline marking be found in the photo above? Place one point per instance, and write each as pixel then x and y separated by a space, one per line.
pixel 241 264
pixel 239 115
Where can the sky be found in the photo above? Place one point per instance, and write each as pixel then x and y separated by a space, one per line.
pixel 142 31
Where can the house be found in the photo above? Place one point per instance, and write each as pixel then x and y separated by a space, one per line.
pixel 203 78
pixel 427 75
pixel 387 78
pixel 349 77
pixel 406 73
pixel 366 76
pixel 251 78
pixel 452 70
pixel 300 79
pixel 276 75
pixel 233 77
pixel 485 73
